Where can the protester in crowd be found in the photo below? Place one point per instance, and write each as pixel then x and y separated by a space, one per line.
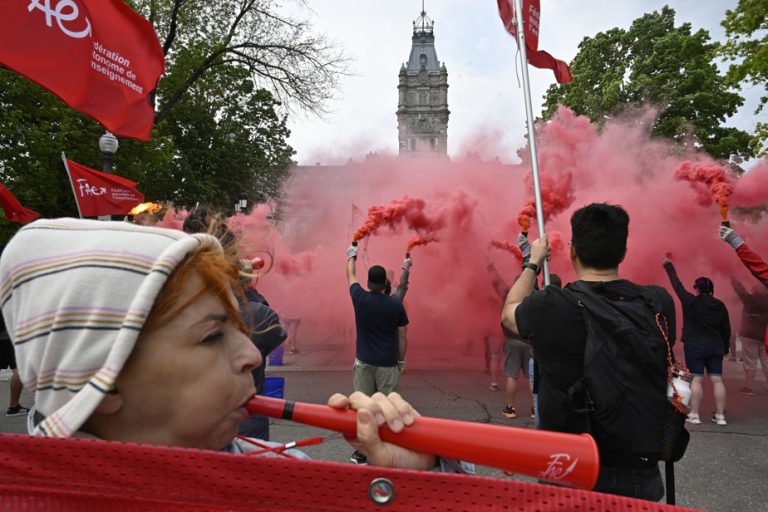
pixel 516 352
pixel 381 334
pixel 553 322
pixel 748 257
pixel 8 360
pixel 266 333
pixel 706 339
pixel 754 322
pixel 154 349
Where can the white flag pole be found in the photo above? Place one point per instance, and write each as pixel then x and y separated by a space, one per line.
pixel 531 131
pixel 66 166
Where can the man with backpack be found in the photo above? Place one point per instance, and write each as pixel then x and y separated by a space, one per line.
pixel 603 348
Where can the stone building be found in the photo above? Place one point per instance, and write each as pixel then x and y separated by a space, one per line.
pixel 422 109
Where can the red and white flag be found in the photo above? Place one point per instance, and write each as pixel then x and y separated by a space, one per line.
pixel 12 208
pixel 99 193
pixel 99 56
pixel 531 17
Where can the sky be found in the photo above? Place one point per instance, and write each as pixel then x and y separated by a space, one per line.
pixel 484 97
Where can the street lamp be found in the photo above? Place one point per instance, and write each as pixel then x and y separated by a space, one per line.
pixel 242 203
pixel 108 145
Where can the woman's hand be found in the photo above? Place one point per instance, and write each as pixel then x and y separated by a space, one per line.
pixel 376 411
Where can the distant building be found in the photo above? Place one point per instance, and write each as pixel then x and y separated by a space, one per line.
pixel 422 109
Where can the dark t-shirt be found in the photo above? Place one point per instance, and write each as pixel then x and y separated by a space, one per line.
pixel 554 325
pixel 377 317
pixel 705 318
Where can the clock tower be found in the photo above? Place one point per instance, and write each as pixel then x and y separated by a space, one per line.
pixel 422 109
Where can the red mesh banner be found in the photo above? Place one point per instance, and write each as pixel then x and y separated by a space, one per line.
pixel 38 474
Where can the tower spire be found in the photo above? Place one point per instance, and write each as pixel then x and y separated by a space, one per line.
pixel 423 24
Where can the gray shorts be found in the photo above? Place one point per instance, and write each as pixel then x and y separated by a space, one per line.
pixel 517 353
pixel 369 379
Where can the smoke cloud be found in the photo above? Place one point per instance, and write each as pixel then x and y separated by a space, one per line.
pixel 473 207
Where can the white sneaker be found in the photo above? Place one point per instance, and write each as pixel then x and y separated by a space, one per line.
pixel 719 419
pixel 693 418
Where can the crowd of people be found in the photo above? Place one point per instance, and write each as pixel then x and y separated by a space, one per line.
pixel 143 334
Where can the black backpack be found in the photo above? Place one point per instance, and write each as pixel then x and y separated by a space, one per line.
pixel 623 392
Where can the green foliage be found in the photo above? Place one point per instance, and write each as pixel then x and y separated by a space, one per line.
pixel 655 63
pixel 219 130
pixel 746 29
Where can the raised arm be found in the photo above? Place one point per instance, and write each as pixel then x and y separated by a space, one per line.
pixel 402 287
pixel 684 295
pixel 352 264
pixel 748 257
pixel 524 284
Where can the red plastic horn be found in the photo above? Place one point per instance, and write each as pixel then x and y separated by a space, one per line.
pixel 566 459
pixel 257 263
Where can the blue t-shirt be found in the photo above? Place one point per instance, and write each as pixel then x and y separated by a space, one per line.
pixel 377 317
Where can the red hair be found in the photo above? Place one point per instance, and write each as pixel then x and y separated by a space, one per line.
pixel 219 275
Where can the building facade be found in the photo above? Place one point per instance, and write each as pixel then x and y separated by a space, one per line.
pixel 422 109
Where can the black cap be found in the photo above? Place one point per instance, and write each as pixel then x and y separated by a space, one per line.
pixel 377 278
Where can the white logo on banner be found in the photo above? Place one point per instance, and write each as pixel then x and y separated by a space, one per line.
pixel 86 189
pixel 65 11
pixel 556 468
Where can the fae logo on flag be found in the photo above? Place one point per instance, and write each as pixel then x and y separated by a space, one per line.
pixel 64 12
pixel 86 189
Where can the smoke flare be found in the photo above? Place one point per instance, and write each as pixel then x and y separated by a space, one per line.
pixel 420 240
pixel 714 177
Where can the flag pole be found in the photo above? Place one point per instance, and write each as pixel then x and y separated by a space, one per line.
pixel 66 166
pixel 531 131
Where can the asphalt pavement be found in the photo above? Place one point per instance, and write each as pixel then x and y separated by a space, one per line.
pixel 724 469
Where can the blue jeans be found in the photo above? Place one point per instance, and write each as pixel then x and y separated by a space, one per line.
pixel 645 484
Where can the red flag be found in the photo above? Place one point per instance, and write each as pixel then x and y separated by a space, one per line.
pixel 536 57
pixel 12 208
pixel 99 56
pixel 99 193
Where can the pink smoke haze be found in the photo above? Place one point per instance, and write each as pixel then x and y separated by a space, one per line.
pixel 752 188
pixel 467 204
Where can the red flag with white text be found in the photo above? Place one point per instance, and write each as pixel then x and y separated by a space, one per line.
pixel 13 209
pixel 99 193
pixel 536 57
pixel 99 56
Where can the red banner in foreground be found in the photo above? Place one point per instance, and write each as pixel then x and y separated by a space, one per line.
pixel 98 193
pixel 99 56
pixel 89 475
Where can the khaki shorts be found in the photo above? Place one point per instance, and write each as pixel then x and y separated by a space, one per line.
pixel 517 353
pixel 751 351
pixel 369 379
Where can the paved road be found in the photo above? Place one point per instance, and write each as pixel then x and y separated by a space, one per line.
pixel 725 468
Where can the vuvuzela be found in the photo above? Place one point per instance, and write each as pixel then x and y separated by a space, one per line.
pixel 567 459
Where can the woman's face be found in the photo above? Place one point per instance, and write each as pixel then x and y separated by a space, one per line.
pixel 186 382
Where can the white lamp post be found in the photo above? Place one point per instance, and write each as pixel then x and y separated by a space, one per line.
pixel 108 145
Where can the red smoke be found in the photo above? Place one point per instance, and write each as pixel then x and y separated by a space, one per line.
pixel 752 187
pixel 420 240
pixel 408 209
pixel 505 245
pixel 714 177
pixel 471 202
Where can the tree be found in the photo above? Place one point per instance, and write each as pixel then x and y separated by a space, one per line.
pixel 229 140
pixel 655 63
pixel 751 54
pixel 281 53
pixel 220 126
